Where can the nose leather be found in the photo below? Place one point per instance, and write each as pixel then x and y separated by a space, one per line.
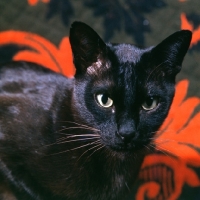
pixel 127 131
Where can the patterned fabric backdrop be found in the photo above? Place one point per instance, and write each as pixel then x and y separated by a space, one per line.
pixel 37 31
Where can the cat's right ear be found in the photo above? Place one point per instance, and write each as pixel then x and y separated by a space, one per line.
pixel 87 47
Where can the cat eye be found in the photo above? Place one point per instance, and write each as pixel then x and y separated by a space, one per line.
pixel 150 103
pixel 104 100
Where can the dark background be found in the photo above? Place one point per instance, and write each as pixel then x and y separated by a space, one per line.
pixel 140 22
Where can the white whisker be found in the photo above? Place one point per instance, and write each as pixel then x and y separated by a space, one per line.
pixel 161 140
pixel 82 135
pixel 77 140
pixel 83 125
pixel 127 186
pixel 160 150
pixel 91 148
pixel 75 127
pixel 165 151
pixel 101 146
pixel 148 148
pixel 85 145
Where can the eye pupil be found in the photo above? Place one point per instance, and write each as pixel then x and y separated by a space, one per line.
pixel 149 101
pixel 104 98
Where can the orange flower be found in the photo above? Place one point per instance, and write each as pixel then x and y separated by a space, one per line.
pixel 41 51
pixel 185 24
pixel 181 133
pixel 179 140
pixel 34 2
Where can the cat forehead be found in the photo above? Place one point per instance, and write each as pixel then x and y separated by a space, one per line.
pixel 125 53
pixel 128 53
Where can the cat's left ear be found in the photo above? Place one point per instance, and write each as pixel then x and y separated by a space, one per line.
pixel 171 51
pixel 87 47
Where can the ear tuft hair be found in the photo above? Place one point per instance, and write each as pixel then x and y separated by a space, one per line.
pixel 87 46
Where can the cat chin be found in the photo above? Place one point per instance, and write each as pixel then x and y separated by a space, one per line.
pixel 129 147
pixel 124 152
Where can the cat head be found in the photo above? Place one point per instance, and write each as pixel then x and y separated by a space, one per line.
pixel 121 90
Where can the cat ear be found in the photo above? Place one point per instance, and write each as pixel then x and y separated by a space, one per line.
pixel 171 51
pixel 87 47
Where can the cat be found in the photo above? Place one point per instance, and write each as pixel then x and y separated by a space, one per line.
pixel 85 137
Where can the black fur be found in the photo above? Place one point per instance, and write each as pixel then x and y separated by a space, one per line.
pixel 57 142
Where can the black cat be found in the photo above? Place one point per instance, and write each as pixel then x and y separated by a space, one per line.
pixel 85 138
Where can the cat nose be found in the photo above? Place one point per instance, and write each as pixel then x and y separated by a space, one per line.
pixel 126 136
pixel 126 132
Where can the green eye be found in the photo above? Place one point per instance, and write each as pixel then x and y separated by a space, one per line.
pixel 104 100
pixel 150 103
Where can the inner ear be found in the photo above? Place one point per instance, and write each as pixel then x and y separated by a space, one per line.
pixel 169 54
pixel 87 46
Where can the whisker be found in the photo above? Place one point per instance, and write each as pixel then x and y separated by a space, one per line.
pixel 161 140
pixel 148 148
pixel 90 149
pixel 101 146
pixel 85 145
pixel 165 151
pixel 160 150
pixel 77 140
pixel 76 136
pixel 66 135
pixel 62 140
pixel 160 132
pixel 75 127
pixel 81 135
pixel 127 186
pixel 83 125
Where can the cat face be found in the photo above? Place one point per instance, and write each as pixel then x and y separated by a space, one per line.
pixel 121 90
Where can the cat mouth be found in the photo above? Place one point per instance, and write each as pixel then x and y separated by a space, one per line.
pixel 126 147
pixel 130 147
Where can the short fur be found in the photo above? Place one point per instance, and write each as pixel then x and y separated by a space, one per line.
pixel 58 142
